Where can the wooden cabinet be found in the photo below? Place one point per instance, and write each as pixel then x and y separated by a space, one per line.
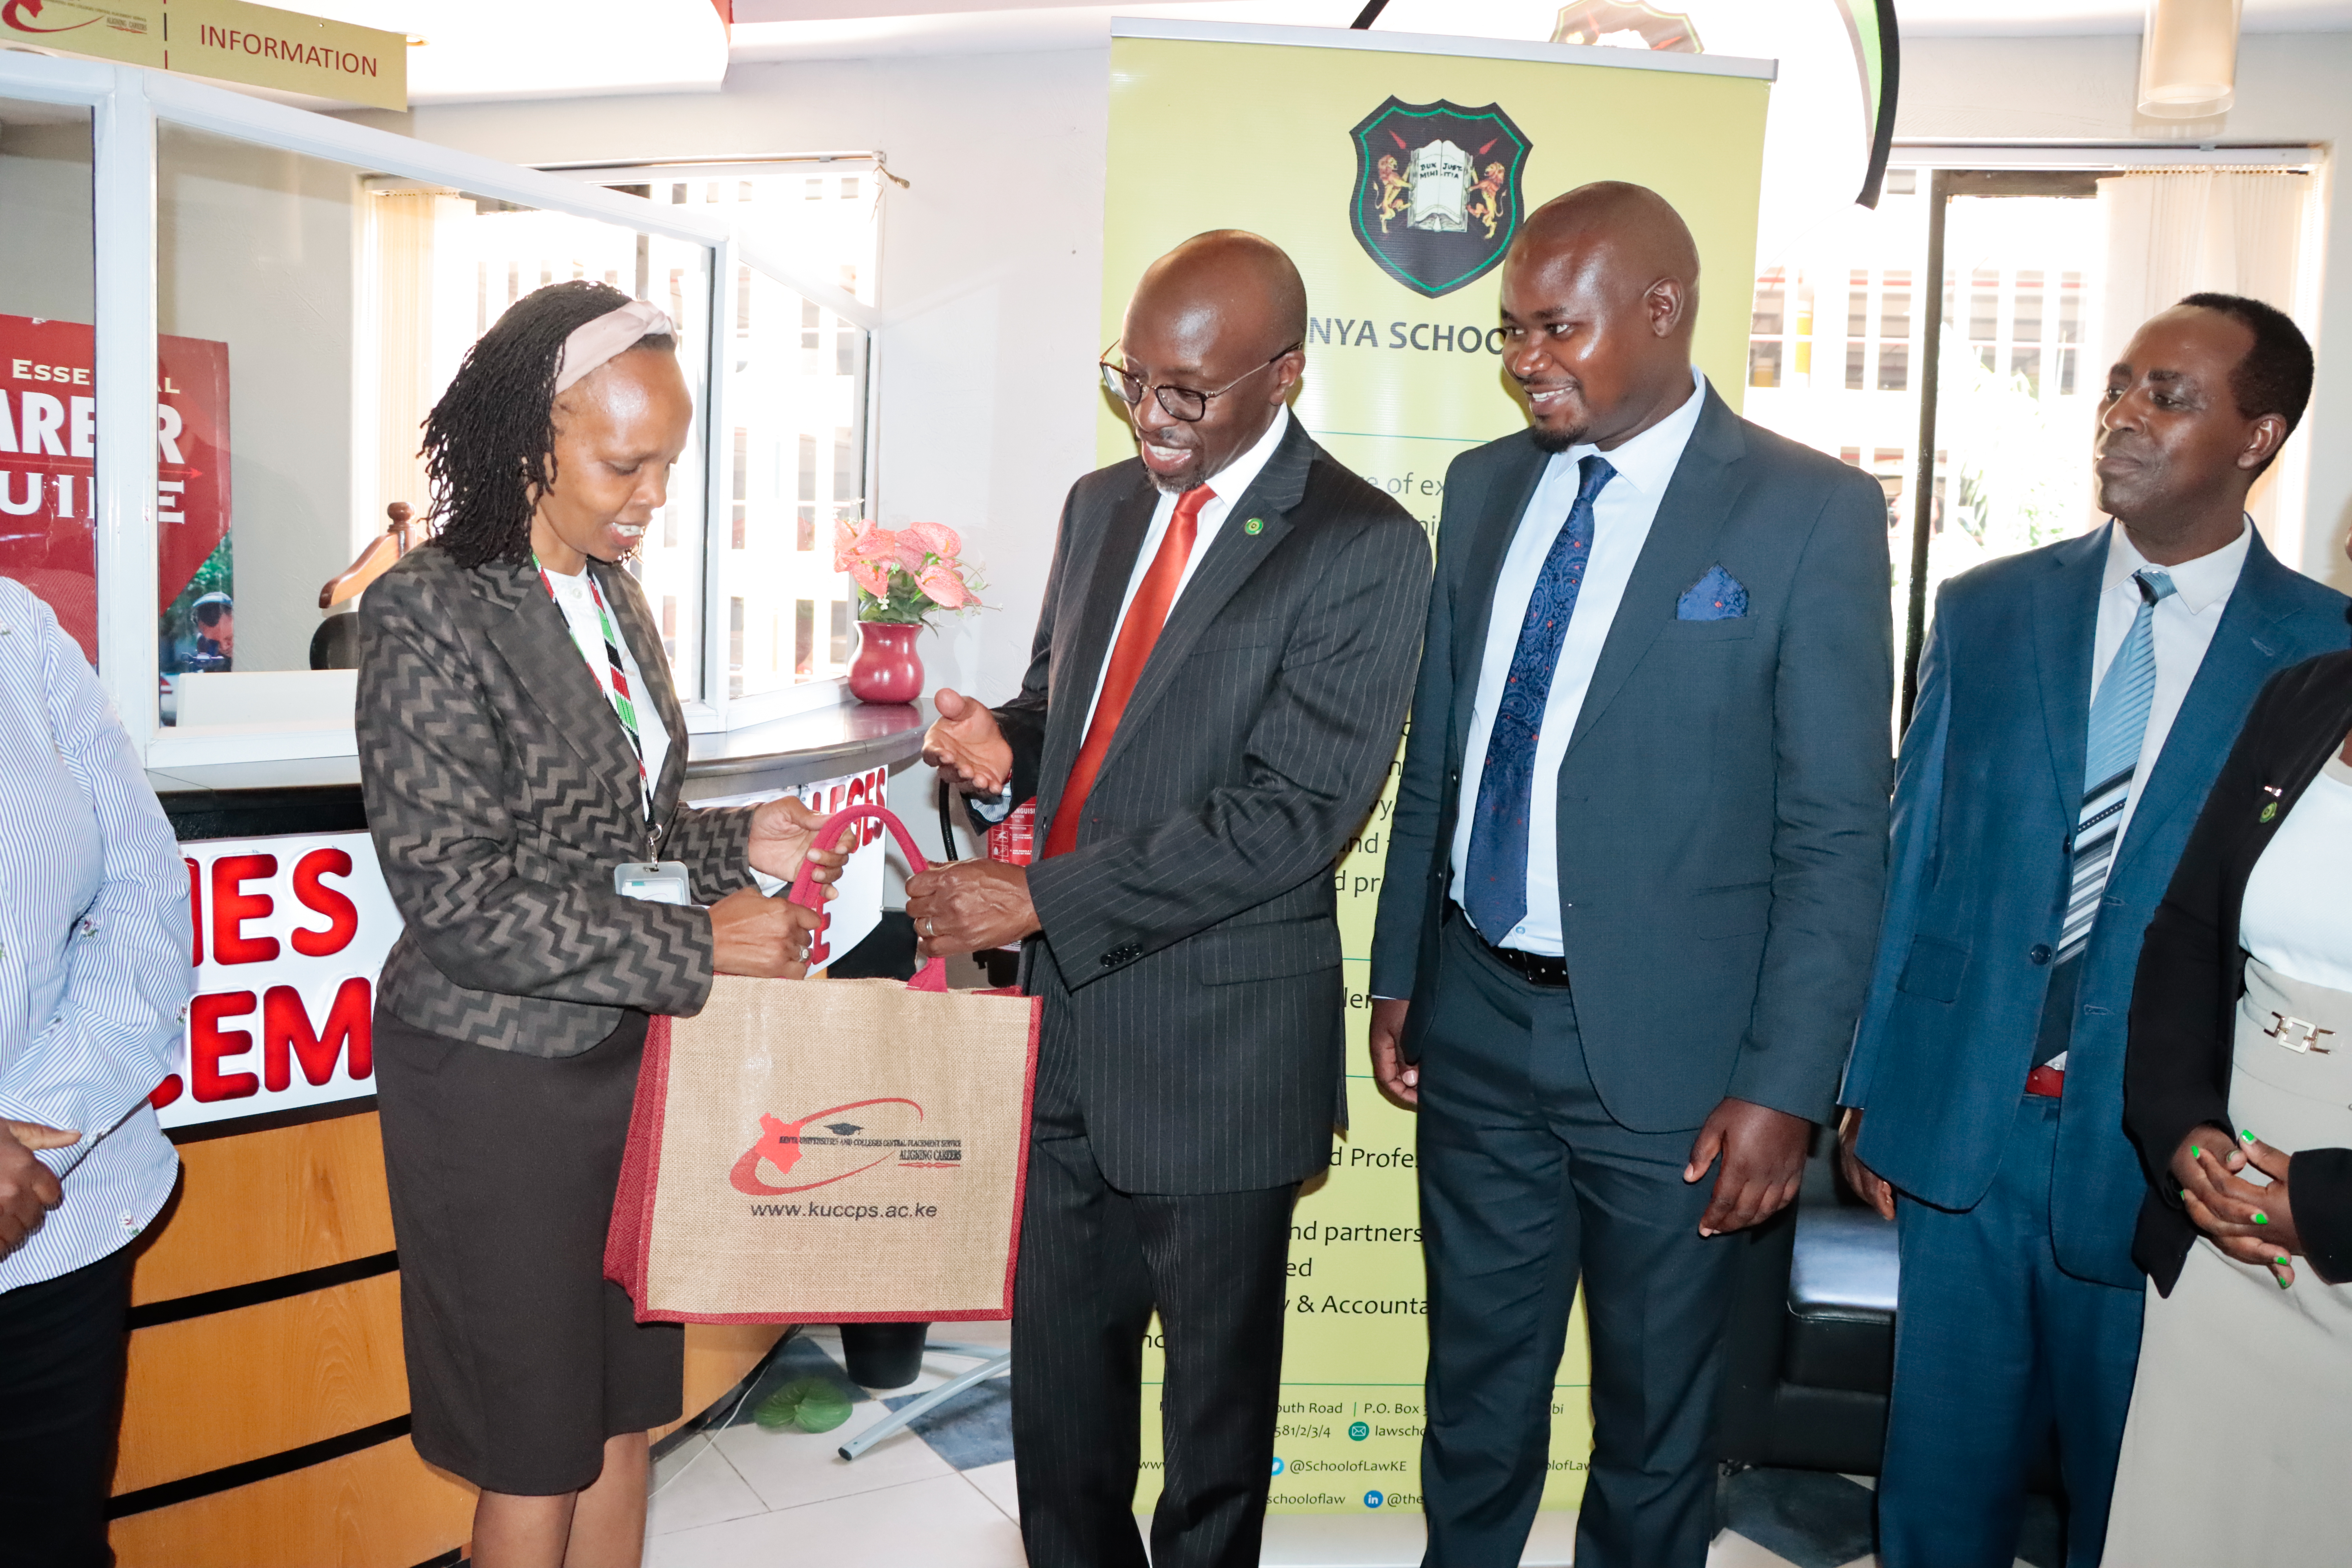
pixel 265 1412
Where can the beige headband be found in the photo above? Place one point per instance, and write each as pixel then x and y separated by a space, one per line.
pixel 610 334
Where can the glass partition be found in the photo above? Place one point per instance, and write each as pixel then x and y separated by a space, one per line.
pixel 310 312
pixel 304 290
pixel 47 392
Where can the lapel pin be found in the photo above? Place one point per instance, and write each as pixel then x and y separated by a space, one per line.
pixel 1254 525
pixel 2270 811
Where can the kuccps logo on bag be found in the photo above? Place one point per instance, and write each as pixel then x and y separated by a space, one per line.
pixel 1437 191
pixel 838 1146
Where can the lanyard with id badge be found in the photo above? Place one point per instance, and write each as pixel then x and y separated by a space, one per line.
pixel 654 881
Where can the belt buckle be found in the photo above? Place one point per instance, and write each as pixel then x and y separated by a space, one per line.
pixel 2300 1036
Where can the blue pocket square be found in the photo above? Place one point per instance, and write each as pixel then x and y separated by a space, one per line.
pixel 1717 596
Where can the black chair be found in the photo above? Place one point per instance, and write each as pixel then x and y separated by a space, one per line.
pixel 1812 1346
pixel 336 644
pixel 1811 1349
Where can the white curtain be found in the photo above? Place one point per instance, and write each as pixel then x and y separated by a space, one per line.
pixel 2233 231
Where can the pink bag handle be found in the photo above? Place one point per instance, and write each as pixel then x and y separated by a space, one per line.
pixel 934 975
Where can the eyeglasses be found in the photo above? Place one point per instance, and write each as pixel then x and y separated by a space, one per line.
pixel 1180 402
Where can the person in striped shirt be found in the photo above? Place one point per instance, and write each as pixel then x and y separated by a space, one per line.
pixel 95 973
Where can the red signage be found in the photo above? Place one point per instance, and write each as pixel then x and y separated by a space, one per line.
pixel 48 418
pixel 290 935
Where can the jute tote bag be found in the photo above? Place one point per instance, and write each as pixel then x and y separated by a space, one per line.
pixel 829 1151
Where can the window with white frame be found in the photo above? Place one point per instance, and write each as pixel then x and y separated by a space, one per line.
pixel 796 442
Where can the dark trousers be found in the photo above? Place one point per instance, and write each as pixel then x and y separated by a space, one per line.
pixel 1995 1345
pixel 61 1349
pixel 1527 1182
pixel 1095 1263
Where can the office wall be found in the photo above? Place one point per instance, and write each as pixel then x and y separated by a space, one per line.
pixel 2292 87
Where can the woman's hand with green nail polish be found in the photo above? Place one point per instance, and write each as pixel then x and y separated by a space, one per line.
pixel 2207 1157
pixel 2251 1223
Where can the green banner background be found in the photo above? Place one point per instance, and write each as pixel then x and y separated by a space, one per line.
pixel 1251 135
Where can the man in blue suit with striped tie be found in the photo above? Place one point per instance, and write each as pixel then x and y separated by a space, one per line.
pixel 2075 702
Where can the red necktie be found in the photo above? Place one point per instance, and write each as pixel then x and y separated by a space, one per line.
pixel 1136 634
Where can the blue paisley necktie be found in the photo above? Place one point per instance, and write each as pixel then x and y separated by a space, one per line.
pixel 1495 885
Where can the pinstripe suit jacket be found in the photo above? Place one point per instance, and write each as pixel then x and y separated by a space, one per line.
pixel 501 791
pixel 1190 961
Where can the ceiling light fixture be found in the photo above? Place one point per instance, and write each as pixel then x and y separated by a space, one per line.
pixel 2189 58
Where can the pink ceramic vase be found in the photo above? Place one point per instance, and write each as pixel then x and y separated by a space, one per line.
pixel 886 668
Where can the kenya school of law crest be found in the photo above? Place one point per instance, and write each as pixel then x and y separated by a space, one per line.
pixel 1437 191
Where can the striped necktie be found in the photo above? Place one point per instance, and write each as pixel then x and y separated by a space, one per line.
pixel 2118 725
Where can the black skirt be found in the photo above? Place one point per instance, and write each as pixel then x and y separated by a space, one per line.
pixel 522 1358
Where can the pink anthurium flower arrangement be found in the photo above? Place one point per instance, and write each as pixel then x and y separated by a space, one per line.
pixel 904 573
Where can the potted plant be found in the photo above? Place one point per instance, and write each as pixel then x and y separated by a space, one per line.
pixel 902 575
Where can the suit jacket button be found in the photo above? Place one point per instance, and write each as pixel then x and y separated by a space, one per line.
pixel 1110 961
pixel 2041 954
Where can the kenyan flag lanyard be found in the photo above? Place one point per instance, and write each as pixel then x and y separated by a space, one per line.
pixel 614 679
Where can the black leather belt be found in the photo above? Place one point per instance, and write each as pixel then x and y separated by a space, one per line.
pixel 1535 968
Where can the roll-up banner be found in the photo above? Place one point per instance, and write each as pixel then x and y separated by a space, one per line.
pixel 1395 170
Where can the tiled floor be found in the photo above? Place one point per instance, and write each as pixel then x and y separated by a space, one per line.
pixel 737 1496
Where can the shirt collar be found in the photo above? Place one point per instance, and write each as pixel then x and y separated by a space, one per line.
pixel 1228 482
pixel 2198 585
pixel 1648 461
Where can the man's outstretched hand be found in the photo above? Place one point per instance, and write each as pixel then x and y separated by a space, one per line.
pixel 965 743
pixel 969 907
pixel 1763 1155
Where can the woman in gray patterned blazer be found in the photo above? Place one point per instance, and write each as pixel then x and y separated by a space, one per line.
pixel 522 748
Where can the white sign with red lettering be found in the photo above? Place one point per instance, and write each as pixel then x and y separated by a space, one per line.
pixel 291 934
pixel 856 908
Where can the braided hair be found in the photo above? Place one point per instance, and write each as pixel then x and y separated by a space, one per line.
pixel 489 443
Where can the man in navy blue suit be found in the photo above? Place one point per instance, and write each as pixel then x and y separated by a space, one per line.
pixel 1639 845
pixel 2074 704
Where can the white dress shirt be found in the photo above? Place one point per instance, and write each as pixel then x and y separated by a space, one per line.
pixel 1622 516
pixel 2182 629
pixel 2294 918
pixel 94 945
pixel 578 607
pixel 1226 487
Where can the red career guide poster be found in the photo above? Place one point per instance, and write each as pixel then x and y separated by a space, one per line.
pixel 291 934
pixel 47 428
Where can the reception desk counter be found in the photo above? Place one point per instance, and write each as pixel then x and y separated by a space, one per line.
pixel 266 1419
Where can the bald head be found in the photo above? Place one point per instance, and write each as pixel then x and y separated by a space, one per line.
pixel 1630 231
pixel 1226 283
pixel 1207 318
pixel 1599 296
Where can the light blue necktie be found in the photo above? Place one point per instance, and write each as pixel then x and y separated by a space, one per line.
pixel 2118 725
pixel 1495 882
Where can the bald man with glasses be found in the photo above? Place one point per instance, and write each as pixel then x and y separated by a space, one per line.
pixel 1219 677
